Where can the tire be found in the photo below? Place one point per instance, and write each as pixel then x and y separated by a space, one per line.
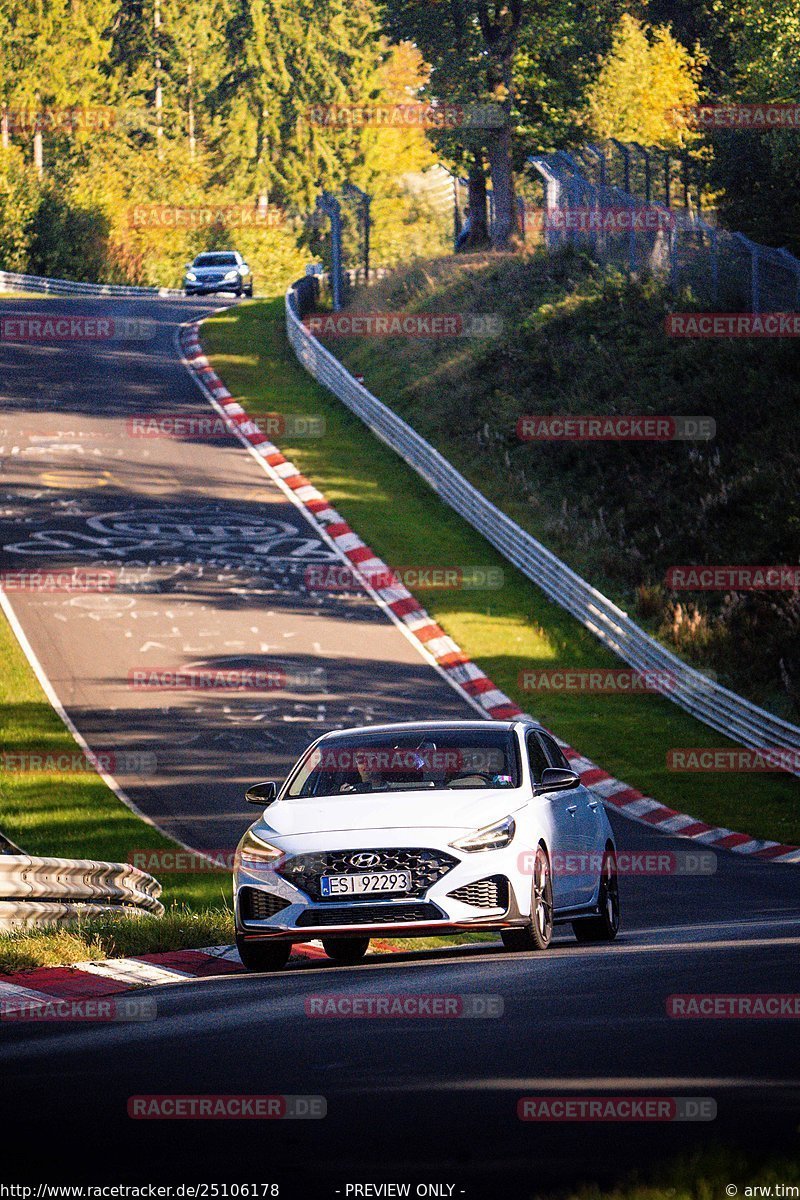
pixel 346 951
pixel 605 927
pixel 263 956
pixel 248 291
pixel 538 934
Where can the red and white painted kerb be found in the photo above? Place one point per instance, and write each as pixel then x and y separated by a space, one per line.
pixel 25 990
pixel 461 672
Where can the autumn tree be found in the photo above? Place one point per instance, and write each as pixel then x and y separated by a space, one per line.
pixel 646 80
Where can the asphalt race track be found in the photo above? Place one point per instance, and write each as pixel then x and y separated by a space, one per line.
pixel 210 565
pixel 215 559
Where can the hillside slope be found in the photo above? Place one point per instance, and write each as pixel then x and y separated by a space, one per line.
pixel 621 513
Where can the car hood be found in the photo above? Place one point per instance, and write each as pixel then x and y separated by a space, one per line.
pixel 458 810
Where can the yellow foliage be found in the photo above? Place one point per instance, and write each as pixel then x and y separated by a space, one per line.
pixel 645 80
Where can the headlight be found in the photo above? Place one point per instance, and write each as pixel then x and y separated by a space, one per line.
pixel 231 275
pixel 492 837
pixel 254 849
pixel 190 275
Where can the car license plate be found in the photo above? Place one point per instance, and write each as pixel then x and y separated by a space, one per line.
pixel 367 884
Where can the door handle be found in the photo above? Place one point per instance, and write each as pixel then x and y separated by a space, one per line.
pixel 594 805
pixel 572 808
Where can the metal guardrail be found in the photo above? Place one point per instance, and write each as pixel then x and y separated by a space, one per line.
pixel 9 281
pixel 46 891
pixel 694 692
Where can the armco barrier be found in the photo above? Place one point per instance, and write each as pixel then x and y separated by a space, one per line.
pixel 10 282
pixel 711 703
pixel 45 891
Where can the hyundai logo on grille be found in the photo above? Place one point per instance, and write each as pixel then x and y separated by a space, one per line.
pixel 365 860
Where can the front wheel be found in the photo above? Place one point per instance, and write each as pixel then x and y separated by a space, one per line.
pixel 263 956
pixel 538 934
pixel 346 951
pixel 605 926
pixel 248 291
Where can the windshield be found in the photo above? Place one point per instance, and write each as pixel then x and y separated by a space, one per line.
pixel 215 260
pixel 435 760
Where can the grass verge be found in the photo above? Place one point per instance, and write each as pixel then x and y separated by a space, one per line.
pixel 73 815
pixel 507 630
pixel 181 928
pixel 701 1174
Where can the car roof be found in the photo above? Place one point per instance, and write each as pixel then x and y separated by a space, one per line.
pixel 428 726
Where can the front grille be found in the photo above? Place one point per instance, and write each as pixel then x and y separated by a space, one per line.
pixel 486 893
pixel 425 866
pixel 255 905
pixel 370 914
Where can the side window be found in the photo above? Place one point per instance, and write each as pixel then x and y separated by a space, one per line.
pixel 554 752
pixel 536 757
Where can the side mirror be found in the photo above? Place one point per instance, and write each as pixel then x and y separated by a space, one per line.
pixel 188 265
pixel 261 794
pixel 245 270
pixel 558 779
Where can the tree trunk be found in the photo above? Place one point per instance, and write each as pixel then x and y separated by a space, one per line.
pixel 159 93
pixel 478 236
pixel 190 82
pixel 5 139
pixel 506 234
pixel 500 31
pixel 38 153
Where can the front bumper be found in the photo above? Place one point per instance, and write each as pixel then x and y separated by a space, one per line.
pixel 268 905
pixel 208 289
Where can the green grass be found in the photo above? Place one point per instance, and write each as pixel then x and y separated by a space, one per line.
pixel 702 1174
pixel 181 928
pixel 73 815
pixel 507 630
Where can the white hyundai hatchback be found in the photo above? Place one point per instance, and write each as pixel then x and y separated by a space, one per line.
pixel 421 829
